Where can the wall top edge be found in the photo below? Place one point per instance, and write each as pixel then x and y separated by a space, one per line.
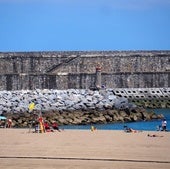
pixel 85 53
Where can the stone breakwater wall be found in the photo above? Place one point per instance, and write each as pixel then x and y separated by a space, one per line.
pixel 70 107
pixel 83 117
pixel 77 70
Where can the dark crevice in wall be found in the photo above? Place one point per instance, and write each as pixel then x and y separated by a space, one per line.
pixel 8 82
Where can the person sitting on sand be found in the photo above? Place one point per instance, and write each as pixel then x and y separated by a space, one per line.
pixel 36 126
pixel 93 128
pixel 55 126
pixel 158 128
pixel 46 125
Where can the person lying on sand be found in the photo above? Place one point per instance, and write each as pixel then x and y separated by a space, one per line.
pixel 130 130
pixel 153 135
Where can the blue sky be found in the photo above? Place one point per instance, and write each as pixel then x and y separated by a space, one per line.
pixel 71 25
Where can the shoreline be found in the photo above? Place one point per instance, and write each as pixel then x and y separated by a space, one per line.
pixel 84 149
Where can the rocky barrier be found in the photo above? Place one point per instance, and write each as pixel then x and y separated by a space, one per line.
pixel 69 107
pixel 47 100
pixel 83 117
pixel 152 103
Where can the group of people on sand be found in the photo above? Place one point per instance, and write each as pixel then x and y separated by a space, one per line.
pixel 7 123
pixel 46 127
pixel 162 127
pixel 52 127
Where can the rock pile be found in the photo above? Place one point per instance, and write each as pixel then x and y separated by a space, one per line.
pixel 46 100
pixel 83 117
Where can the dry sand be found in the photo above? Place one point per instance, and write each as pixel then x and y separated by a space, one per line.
pixel 83 149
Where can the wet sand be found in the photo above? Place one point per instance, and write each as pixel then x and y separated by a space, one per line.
pixel 83 149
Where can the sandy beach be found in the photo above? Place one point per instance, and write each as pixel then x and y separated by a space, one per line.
pixel 83 149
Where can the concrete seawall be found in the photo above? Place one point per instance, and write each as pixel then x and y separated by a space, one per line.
pixel 77 70
pixel 146 97
pixel 143 93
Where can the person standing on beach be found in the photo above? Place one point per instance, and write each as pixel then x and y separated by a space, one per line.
pixel 9 123
pixel 164 124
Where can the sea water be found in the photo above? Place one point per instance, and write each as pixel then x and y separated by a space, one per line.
pixel 142 125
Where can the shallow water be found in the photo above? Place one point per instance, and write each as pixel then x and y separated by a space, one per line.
pixel 143 125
